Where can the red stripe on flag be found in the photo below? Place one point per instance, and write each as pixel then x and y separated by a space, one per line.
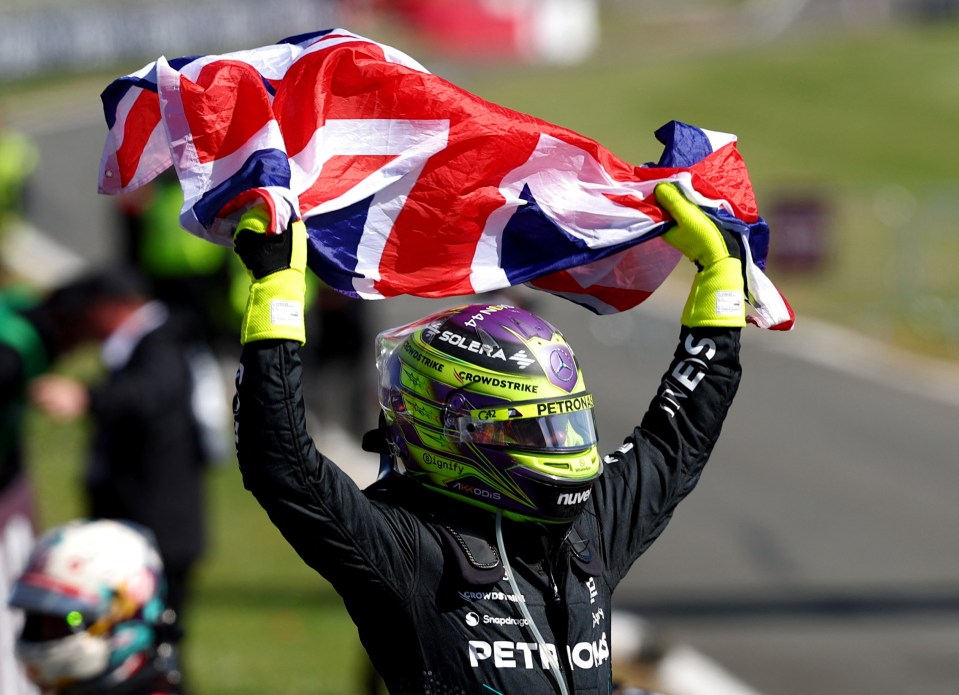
pixel 643 205
pixel 141 121
pixel 225 107
pixel 340 174
pixel 431 249
pixel 328 84
pixel 723 174
pixel 253 196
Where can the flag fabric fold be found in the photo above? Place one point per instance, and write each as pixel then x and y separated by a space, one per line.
pixel 409 184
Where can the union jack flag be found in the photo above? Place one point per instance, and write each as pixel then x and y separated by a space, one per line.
pixel 409 184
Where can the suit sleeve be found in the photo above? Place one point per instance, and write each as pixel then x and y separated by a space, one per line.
pixel 349 539
pixel 663 459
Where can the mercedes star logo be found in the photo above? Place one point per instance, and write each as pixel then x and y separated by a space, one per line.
pixel 561 363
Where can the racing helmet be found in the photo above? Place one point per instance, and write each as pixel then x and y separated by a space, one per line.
pixel 487 404
pixel 92 596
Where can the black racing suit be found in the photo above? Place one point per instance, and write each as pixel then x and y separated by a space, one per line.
pixel 421 577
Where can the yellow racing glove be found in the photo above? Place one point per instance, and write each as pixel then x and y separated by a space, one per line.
pixel 277 267
pixel 717 297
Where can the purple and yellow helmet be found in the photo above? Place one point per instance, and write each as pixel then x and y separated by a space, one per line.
pixel 487 404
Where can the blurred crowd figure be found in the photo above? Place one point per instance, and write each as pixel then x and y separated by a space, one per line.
pixel 161 413
pixel 32 337
pixel 189 274
pixel 28 337
pixel 150 448
pixel 337 352
pixel 205 282
pixel 19 160
pixel 95 621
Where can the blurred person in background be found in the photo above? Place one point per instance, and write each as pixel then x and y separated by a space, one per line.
pixel 35 330
pixel 33 335
pixel 187 273
pixel 485 556
pixel 94 616
pixel 337 355
pixel 19 159
pixel 150 451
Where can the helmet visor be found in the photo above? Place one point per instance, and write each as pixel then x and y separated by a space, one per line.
pixel 556 432
pixel 39 627
pixel 38 594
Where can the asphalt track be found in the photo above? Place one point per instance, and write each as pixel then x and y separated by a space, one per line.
pixel 818 554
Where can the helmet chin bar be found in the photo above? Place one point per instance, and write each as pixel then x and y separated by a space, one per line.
pixel 62 662
pixel 537 497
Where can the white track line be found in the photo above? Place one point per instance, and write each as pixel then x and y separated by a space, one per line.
pixel 684 671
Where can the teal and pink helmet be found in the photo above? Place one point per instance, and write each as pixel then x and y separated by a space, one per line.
pixel 92 597
pixel 487 404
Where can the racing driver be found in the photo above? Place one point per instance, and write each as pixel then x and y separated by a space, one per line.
pixel 484 558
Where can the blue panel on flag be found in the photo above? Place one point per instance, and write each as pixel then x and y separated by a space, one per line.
pixel 755 234
pixel 533 245
pixel 685 145
pixel 334 240
pixel 263 168
pixel 118 89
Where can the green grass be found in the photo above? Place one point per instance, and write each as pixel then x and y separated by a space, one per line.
pixel 864 120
